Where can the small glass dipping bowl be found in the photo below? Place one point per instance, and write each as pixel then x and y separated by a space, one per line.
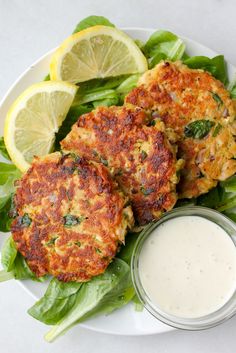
pixel 200 323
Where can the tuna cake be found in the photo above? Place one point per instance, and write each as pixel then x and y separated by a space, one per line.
pixel 71 217
pixel 137 154
pixel 199 110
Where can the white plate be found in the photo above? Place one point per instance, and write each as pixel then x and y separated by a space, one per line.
pixel 125 321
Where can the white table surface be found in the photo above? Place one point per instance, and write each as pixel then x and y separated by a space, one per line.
pixel 30 28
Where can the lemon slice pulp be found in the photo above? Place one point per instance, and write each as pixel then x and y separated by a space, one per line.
pixel 96 52
pixel 34 118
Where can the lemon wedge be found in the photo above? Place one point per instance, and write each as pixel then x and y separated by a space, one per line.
pixel 34 118
pixel 96 52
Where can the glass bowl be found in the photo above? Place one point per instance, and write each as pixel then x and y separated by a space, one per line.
pixel 215 318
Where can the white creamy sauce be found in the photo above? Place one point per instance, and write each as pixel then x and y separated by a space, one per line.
pixel 187 267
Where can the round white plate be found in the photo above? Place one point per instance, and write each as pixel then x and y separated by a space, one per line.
pixel 125 321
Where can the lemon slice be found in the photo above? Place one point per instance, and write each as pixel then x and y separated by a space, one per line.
pixel 96 52
pixel 34 118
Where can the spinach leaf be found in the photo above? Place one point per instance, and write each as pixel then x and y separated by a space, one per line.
pixel 126 250
pixel 230 184
pixel 98 84
pixel 217 98
pixel 137 303
pixel 102 90
pixel 125 254
pixel 231 215
pixel 102 294
pixel 56 302
pixel 106 102
pixel 99 89
pixel 216 66
pixel 3 150
pixel 114 299
pixel 155 59
pixel 212 199
pixel 8 254
pixel 47 77
pixel 233 92
pixel 94 93
pixel 219 198
pixel 198 129
pixel 217 130
pixel 92 21
pixel 128 84
pixel 22 271
pixel 139 43
pixel 73 115
pixel 227 204
pixel 6 171
pixel 5 218
pixel 71 220
pixel 163 45
pixel 14 263
pixel 147 191
pixel 104 161
pixel 25 221
pixel 8 175
pixel 185 202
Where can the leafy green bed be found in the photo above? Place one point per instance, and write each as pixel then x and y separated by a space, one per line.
pixel 66 304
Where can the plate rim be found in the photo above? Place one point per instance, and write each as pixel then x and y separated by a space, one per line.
pixel 5 96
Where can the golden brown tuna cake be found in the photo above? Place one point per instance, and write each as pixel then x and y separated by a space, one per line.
pixel 199 110
pixel 71 217
pixel 138 155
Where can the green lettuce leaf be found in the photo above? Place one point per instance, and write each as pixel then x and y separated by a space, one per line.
pixel 185 202
pixel 212 199
pixel 92 21
pixel 73 115
pixel 22 271
pixel 92 90
pixel 101 295
pixel 8 254
pixel 163 45
pixel 221 198
pixel 3 150
pixel 105 89
pixel 5 218
pixel 94 93
pixel 126 250
pixel 233 92
pixel 126 86
pixel 56 302
pixel 137 303
pixel 216 66
pixel 227 204
pixel 14 264
pixel 6 171
pixel 229 184
pixel 8 175
pixel 106 102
